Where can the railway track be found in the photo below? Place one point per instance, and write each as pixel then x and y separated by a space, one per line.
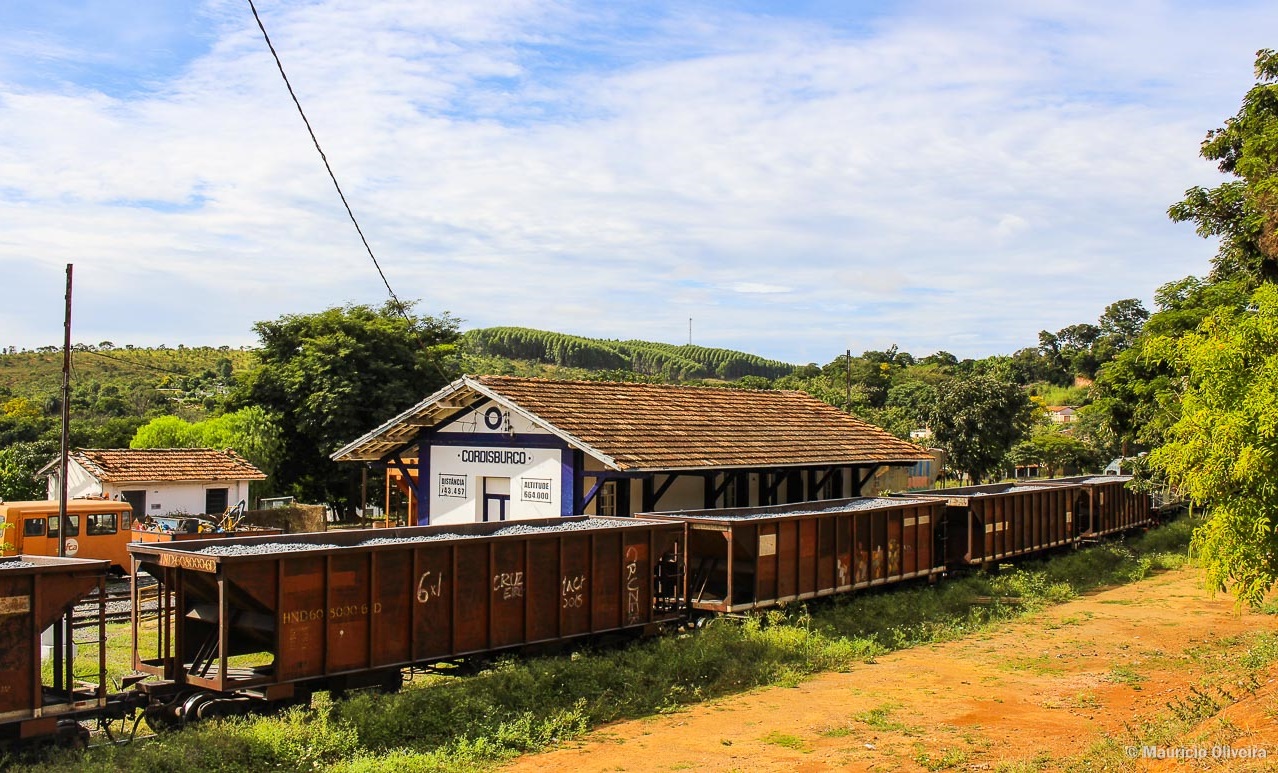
pixel 118 602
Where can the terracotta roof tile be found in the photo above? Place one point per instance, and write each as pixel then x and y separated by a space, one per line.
pixel 165 464
pixel 658 426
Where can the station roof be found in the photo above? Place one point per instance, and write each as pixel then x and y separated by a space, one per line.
pixel 649 427
pixel 161 464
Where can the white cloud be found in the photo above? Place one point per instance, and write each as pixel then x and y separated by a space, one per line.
pixel 932 178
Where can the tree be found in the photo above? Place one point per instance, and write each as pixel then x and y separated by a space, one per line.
pixel 1056 451
pixel 1223 450
pixel 1242 213
pixel 327 378
pixel 167 432
pixel 18 465
pixel 977 420
pixel 1120 328
pixel 249 431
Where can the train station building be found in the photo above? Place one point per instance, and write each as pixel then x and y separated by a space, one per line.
pixel 487 448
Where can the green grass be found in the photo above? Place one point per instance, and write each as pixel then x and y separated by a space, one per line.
pixel 880 718
pixel 471 723
pixel 784 740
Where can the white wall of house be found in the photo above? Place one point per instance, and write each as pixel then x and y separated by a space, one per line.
pixel 162 497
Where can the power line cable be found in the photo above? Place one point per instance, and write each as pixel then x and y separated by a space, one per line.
pixel 399 306
pixel 132 362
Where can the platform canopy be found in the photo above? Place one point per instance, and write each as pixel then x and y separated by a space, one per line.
pixel 648 427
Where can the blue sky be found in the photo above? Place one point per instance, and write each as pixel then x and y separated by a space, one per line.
pixel 798 178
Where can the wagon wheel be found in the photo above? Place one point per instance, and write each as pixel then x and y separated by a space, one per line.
pixel 72 735
pixel 195 708
pixel 163 716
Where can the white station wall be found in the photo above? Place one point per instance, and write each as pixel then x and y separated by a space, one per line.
pixel 532 477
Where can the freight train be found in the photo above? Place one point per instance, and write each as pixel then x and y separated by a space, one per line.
pixel 256 623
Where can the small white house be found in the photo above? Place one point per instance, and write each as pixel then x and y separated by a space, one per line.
pixel 1061 414
pixel 157 481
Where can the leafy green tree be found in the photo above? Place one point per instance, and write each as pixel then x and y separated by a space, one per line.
pixel 1243 213
pixel 1223 450
pixel 18 465
pixel 167 432
pixel 977 420
pixel 914 399
pixel 249 431
pixel 1136 393
pixel 329 377
pixel 1055 451
pixel 1120 328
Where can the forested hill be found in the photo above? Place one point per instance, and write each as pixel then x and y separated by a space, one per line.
pixel 39 372
pixel 669 362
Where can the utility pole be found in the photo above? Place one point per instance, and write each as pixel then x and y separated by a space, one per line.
pixel 66 421
pixel 689 331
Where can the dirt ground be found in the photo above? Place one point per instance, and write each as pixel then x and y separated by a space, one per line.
pixel 1039 694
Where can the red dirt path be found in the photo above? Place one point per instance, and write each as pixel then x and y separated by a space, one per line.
pixel 1036 694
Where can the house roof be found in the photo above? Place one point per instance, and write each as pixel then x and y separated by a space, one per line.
pixel 161 464
pixel 632 426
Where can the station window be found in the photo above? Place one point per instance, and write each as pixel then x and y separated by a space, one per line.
pixel 33 527
pixel 73 526
pixel 100 524
pixel 606 499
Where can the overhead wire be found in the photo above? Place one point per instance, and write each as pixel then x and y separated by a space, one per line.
pixel 134 363
pixel 399 306
pixel 396 302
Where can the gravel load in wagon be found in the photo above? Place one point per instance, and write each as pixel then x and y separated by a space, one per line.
pixel 509 531
pixel 17 565
pixel 852 506
pixel 1018 487
pixel 262 548
pixel 515 529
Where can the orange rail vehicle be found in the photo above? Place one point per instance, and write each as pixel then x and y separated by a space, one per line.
pixel 96 529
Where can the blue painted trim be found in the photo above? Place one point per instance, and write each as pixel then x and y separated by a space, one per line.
pixel 578 482
pixel 590 495
pixel 566 482
pixel 423 483
pixel 463 413
pixel 521 441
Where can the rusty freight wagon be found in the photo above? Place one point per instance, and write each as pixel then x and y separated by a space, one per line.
pixel 276 618
pixel 1103 504
pixel 998 521
pixel 747 558
pixel 38 594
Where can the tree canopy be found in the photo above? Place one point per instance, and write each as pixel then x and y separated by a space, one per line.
pixel 977 420
pixel 1243 212
pixel 1215 352
pixel 1223 450
pixel 329 377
